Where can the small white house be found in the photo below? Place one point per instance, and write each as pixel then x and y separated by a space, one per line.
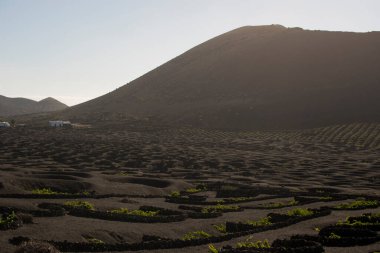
pixel 4 124
pixel 59 123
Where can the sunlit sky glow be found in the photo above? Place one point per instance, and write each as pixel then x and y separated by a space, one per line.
pixel 76 50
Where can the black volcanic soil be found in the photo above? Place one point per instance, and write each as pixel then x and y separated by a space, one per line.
pixel 138 167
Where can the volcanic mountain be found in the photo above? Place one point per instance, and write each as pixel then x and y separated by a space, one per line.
pixel 19 106
pixel 256 77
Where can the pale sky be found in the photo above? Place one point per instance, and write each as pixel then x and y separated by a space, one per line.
pixel 76 50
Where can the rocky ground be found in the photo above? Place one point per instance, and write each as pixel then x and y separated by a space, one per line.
pixel 224 177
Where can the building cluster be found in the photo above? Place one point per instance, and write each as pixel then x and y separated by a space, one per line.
pixel 52 123
pixel 4 124
pixel 60 123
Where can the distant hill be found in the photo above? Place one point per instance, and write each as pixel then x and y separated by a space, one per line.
pixel 19 106
pixel 256 77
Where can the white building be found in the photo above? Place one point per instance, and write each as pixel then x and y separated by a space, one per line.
pixel 59 123
pixel 4 124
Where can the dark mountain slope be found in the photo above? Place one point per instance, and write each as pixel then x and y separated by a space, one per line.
pixel 19 106
pixel 50 104
pixel 265 77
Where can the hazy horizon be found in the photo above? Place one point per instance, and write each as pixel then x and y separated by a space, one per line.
pixel 77 50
